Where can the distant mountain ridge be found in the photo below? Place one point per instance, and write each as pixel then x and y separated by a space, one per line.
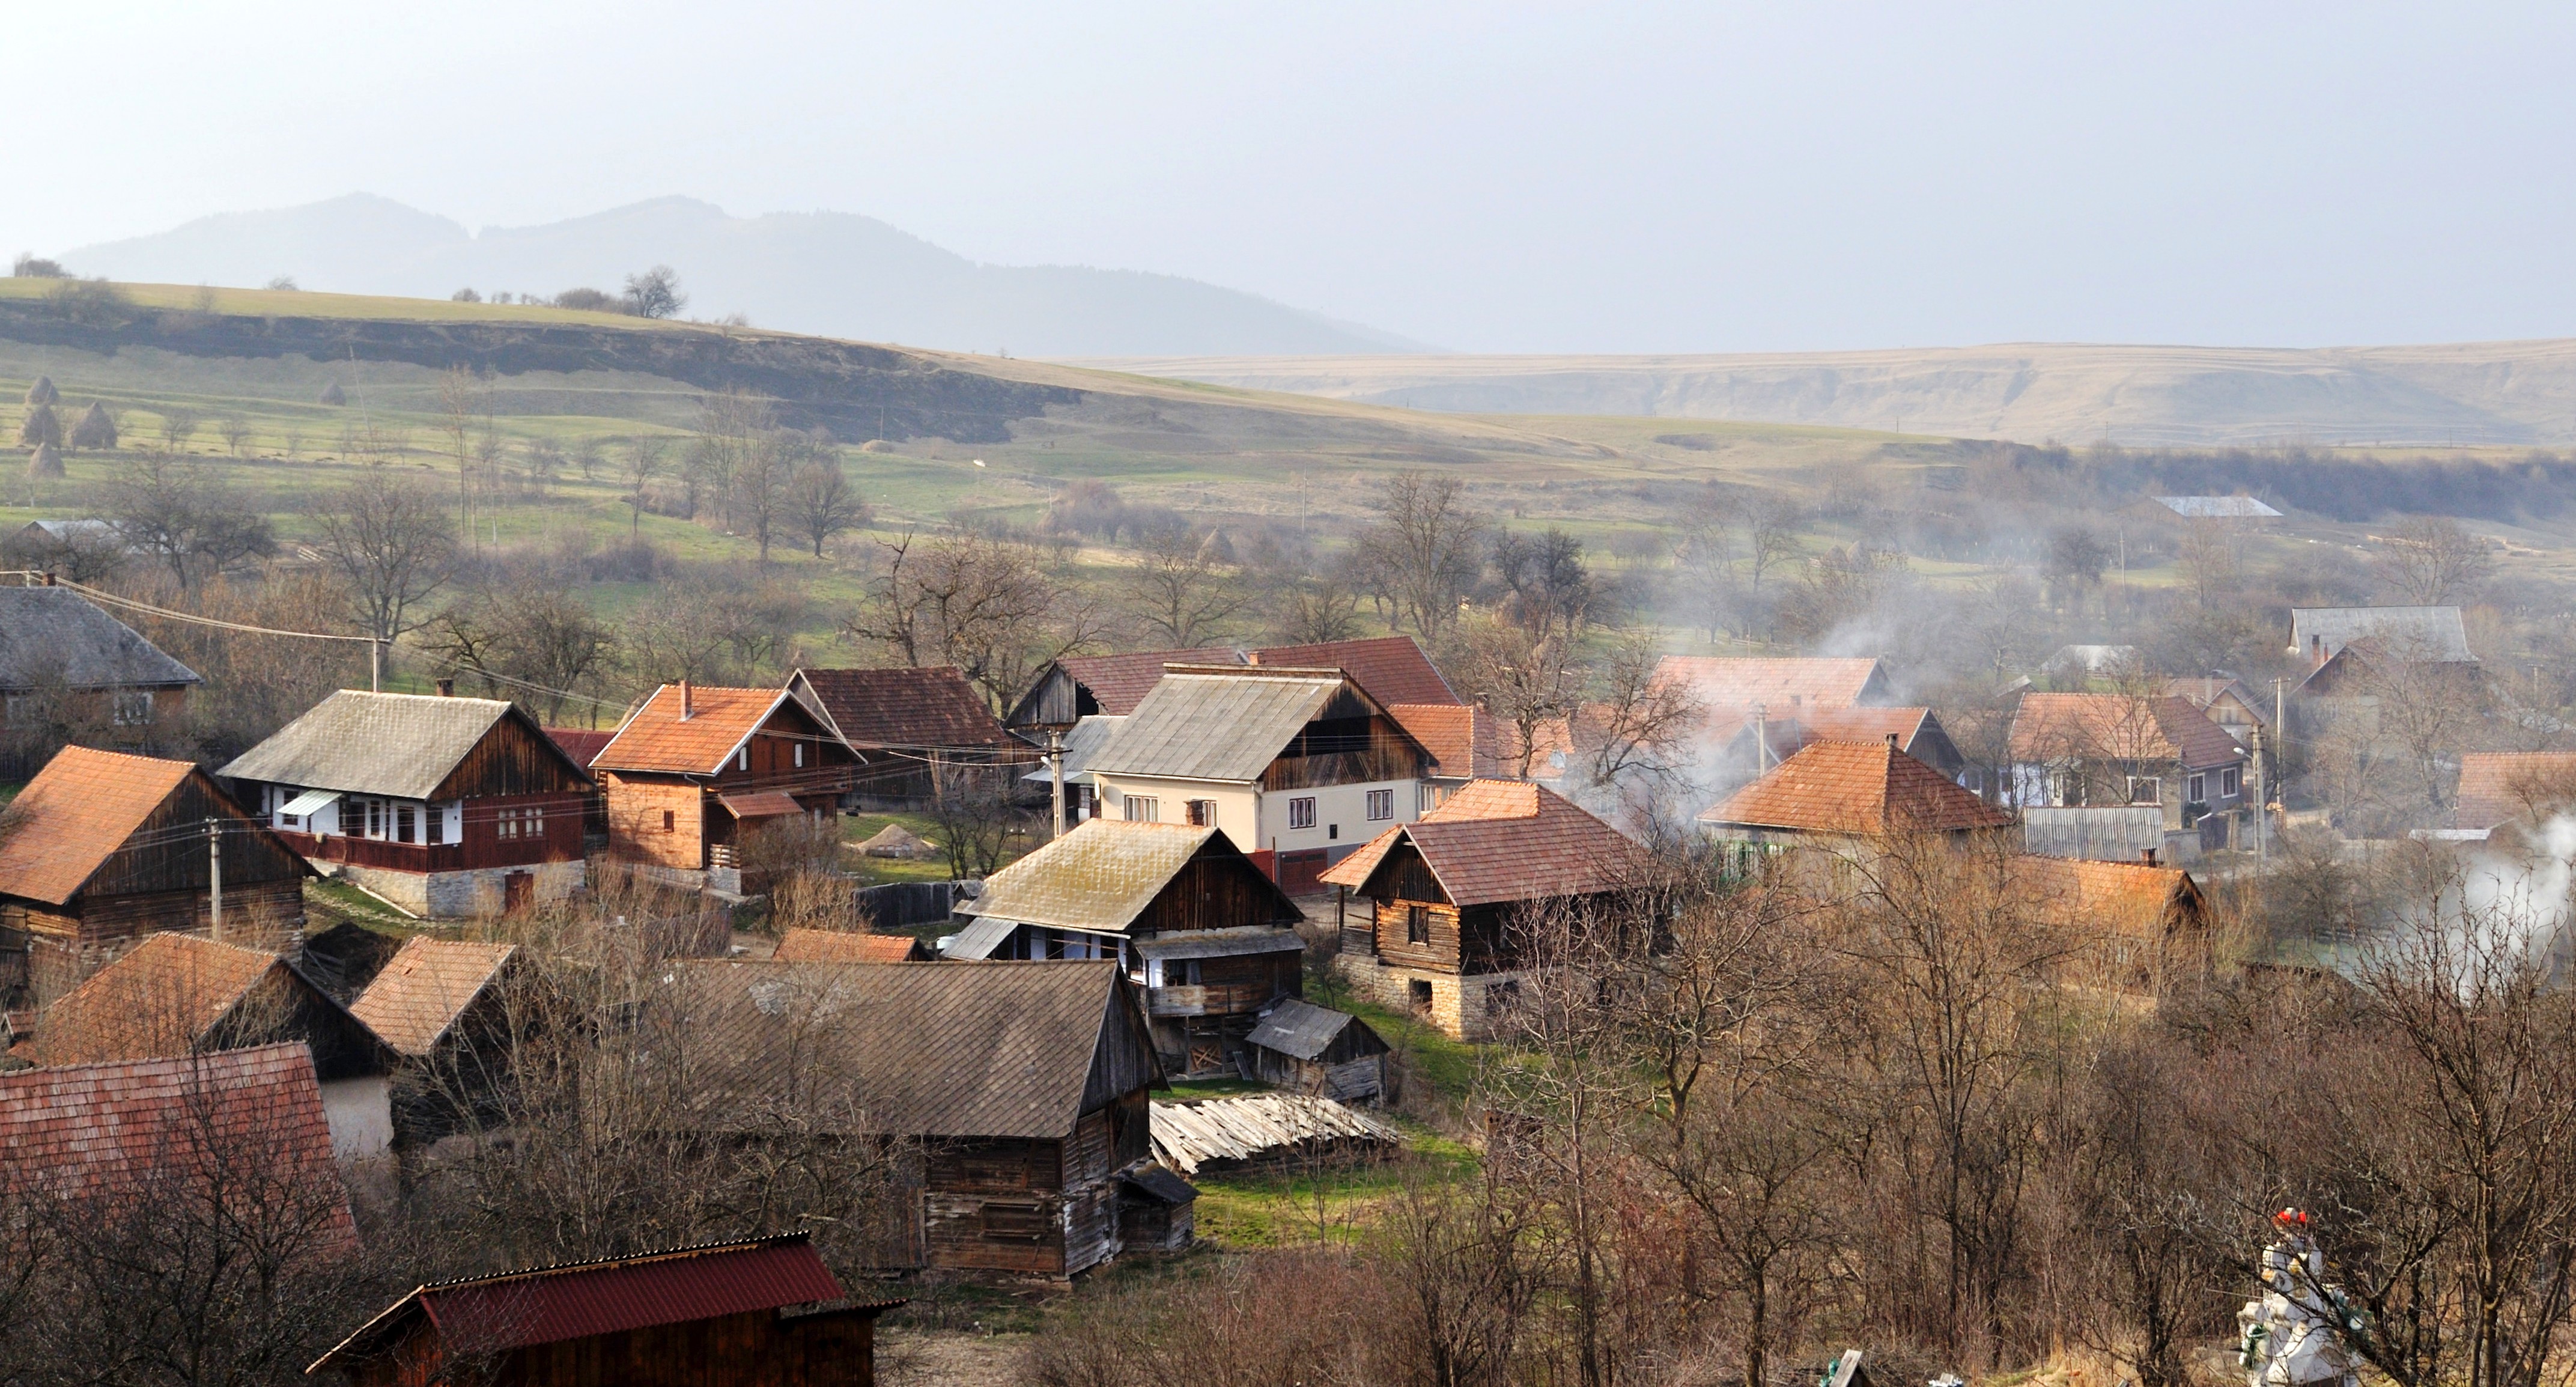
pixel 828 273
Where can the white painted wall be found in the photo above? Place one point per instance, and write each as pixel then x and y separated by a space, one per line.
pixel 361 1115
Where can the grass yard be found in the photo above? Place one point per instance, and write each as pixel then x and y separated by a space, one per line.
pixel 1334 1200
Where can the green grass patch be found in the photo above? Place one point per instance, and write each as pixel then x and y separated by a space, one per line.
pixel 1329 1201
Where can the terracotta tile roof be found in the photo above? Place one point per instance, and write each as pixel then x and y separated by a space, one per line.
pixel 654 738
pixel 846 946
pixel 1855 788
pixel 951 1049
pixel 2500 786
pixel 74 816
pixel 2119 727
pixel 1120 682
pixel 1106 872
pixel 97 1128
pixel 761 804
pixel 580 1300
pixel 1865 725
pixel 162 998
pixel 1786 687
pixel 1504 840
pixel 2126 898
pixel 428 985
pixel 1392 669
pixel 582 744
pixel 903 707
pixel 1464 739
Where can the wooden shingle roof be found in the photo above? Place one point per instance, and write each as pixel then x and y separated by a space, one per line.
pixel 1504 840
pixel 1854 788
pixel 846 946
pixel 163 997
pixel 932 707
pixel 427 986
pixel 1106 872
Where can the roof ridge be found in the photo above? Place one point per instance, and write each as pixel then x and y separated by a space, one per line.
pixel 662 1254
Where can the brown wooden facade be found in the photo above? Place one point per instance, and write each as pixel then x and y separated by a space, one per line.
pixel 832 1348
pixel 677 819
pixel 1416 926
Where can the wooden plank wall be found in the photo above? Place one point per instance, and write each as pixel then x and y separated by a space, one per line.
pixel 755 1346
pixel 1214 891
pixel 513 758
pixel 172 858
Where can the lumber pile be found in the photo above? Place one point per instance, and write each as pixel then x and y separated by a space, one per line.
pixel 1223 1132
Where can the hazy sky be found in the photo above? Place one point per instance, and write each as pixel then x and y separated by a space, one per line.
pixel 1489 177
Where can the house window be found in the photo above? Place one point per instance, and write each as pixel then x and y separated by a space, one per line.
pixel 742 758
pixel 1202 813
pixel 437 825
pixel 133 707
pixel 670 822
pixel 2231 782
pixel 375 818
pixel 1419 993
pixel 1143 809
pixel 21 710
pixel 800 755
pixel 1381 805
pixel 1417 924
pixel 1301 812
pixel 2199 790
pixel 1426 797
pixel 2146 789
pixel 533 824
pixel 505 824
pixel 403 820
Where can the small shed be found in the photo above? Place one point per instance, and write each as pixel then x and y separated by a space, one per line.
pixel 1318 1051
pixel 1156 1209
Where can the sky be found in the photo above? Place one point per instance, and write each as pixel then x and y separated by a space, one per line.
pixel 1493 177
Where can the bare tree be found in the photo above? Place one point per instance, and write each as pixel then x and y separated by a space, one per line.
pixel 1183 591
pixel 654 294
pixel 822 503
pixel 731 424
pixel 461 399
pixel 1631 726
pixel 985 605
pixel 535 634
pixel 178 424
pixel 196 527
pixel 978 824
pixel 389 541
pixel 2429 561
pixel 235 431
pixel 644 458
pixel 1425 550
pixel 763 482
pixel 1531 683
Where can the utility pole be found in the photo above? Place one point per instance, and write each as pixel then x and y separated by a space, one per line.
pixel 215 877
pixel 1055 764
pixel 375 665
pixel 2262 795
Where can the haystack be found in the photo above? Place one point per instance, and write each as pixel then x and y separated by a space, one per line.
pixel 894 840
pixel 44 464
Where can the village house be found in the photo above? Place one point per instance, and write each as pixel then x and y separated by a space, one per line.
pixel 2238 710
pixel 103 848
pixel 1185 913
pixel 2101 749
pixel 443 807
pixel 191 1125
pixel 1466 744
pixel 849 946
pixel 1842 801
pixel 441 1006
pixel 1024 1085
pixel 760 1310
pixel 698 768
pixel 1781 687
pixel 2417 635
pixel 2524 789
pixel 2360 657
pixel 2130 926
pixel 910 728
pixel 1297 763
pixel 176 994
pixel 69 671
pixel 1392 669
pixel 1444 896
pixel 1320 1052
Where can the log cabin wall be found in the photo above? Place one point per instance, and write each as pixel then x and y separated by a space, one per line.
pixel 1346 745
pixel 1212 892
pixel 995 1205
pixel 513 758
pixel 1396 946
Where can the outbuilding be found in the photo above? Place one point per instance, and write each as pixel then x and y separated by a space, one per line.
pixel 1318 1051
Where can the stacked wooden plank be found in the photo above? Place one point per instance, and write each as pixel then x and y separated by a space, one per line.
pixel 1260 1127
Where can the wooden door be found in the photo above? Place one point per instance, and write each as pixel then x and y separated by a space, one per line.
pixel 516 887
pixel 1301 873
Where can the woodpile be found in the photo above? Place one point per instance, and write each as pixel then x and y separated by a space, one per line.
pixel 1226 1132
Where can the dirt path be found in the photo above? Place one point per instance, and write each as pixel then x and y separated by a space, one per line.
pixel 929 1358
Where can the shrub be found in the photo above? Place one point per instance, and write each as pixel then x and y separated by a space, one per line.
pixel 30 266
pixel 465 295
pixel 587 300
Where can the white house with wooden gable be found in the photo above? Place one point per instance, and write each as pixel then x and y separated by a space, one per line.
pixel 1298 762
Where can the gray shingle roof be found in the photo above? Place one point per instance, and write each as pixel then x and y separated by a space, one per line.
pixel 923 1049
pixel 2409 633
pixel 400 745
pixel 1215 726
pixel 55 633
pixel 1299 1030
pixel 1101 876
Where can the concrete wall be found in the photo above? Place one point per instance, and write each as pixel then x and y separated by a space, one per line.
pixel 458 895
pixel 361 1115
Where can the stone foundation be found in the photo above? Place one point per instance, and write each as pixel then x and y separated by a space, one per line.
pixel 460 895
pixel 1472 1007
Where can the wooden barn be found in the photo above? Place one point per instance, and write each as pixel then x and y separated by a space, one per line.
pixel 1185 913
pixel 1443 895
pixel 445 807
pixel 1023 1086
pixel 698 768
pixel 177 994
pixel 912 728
pixel 440 1006
pixel 103 848
pixel 1318 1051
pixel 763 1310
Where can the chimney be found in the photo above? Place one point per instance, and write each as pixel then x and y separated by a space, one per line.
pixel 2147 856
pixel 1891 742
pixel 685 709
pixel 447 688
pixel 2316 652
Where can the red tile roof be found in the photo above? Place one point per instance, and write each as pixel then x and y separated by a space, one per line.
pixel 1120 682
pixel 2124 898
pixel 761 804
pixel 1865 725
pixel 545 1305
pixel 2499 786
pixel 846 946
pixel 425 988
pixel 74 816
pixel 1787 687
pixel 904 707
pixel 1462 738
pixel 161 998
pixel 1855 788
pixel 1505 840
pixel 656 738
pixel 2119 727
pixel 99 1128
pixel 1392 669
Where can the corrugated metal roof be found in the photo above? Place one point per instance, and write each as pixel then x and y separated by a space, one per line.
pixel 55 634
pixel 1216 725
pixel 950 1049
pixel 2432 634
pixel 1300 1030
pixel 1099 877
pixel 425 988
pixel 978 940
pixel 2218 507
pixel 400 745
pixel 544 1305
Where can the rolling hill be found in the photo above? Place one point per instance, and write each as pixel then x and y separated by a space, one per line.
pixel 819 272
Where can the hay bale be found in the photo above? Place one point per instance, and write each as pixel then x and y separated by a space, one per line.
pixel 45 464
pixel 95 429
pixel 43 391
pixel 876 445
pixel 331 394
pixel 894 840
pixel 40 428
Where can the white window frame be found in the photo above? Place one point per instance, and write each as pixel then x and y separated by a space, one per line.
pixel 1141 809
pixel 2196 789
pixel 132 707
pixel 2231 783
pixel 1381 806
pixel 742 757
pixel 1301 812
pixel 2155 784
pixel 800 756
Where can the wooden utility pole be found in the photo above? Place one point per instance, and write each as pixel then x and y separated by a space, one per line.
pixel 215 877
pixel 1055 764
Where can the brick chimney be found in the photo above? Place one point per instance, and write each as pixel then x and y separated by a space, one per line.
pixel 447 688
pixel 1891 743
pixel 2147 856
pixel 2316 652
pixel 685 709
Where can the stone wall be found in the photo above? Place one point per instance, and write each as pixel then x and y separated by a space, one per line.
pixel 463 894
pixel 1464 1006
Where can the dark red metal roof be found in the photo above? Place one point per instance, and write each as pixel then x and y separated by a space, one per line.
pixel 581 743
